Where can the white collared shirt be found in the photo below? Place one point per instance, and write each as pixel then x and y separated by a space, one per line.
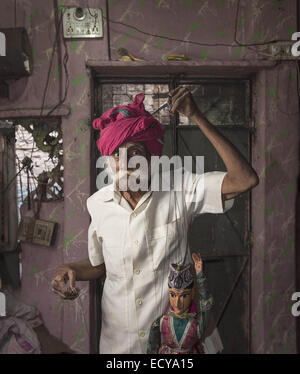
pixel 137 247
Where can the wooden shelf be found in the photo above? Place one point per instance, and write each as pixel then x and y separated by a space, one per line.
pixel 189 69
pixel 62 111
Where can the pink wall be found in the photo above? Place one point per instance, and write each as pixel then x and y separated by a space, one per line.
pixel 65 319
pixel 274 201
pixel 274 149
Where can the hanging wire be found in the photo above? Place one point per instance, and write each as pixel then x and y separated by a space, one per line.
pixel 20 178
pixel 26 162
pixel 107 27
pixel 108 31
pixel 8 185
pixel 18 173
pixel 48 78
pixel 28 190
pixel 237 43
pixel 65 61
pixel 67 82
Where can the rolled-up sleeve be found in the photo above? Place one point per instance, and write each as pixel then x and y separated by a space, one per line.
pixel 94 241
pixel 204 193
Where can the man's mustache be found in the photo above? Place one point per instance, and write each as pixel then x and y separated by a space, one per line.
pixel 122 173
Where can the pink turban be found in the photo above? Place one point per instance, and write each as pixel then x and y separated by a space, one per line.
pixel 129 123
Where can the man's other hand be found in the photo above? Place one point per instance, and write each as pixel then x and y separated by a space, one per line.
pixel 64 283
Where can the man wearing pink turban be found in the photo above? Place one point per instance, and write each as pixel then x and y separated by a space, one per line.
pixel 134 236
pixel 129 123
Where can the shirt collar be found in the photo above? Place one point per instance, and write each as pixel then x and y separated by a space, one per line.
pixel 111 193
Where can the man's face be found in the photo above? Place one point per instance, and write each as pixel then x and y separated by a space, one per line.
pixel 130 159
pixel 180 300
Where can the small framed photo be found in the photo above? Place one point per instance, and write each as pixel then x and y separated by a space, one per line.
pixel 44 232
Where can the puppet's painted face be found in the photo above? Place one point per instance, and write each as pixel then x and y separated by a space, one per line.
pixel 180 300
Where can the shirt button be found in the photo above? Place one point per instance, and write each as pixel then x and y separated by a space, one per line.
pixel 141 333
pixel 139 301
pixel 137 271
pixel 134 214
pixel 136 242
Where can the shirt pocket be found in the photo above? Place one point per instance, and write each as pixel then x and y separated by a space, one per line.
pixel 113 257
pixel 163 242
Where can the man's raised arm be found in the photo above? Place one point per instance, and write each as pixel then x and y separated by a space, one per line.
pixel 240 175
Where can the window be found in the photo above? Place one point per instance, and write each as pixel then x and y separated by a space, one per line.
pixel 31 171
pixel 41 142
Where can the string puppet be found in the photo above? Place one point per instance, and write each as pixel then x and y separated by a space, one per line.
pixel 181 329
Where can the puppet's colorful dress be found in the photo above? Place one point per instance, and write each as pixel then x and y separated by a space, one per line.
pixel 182 334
